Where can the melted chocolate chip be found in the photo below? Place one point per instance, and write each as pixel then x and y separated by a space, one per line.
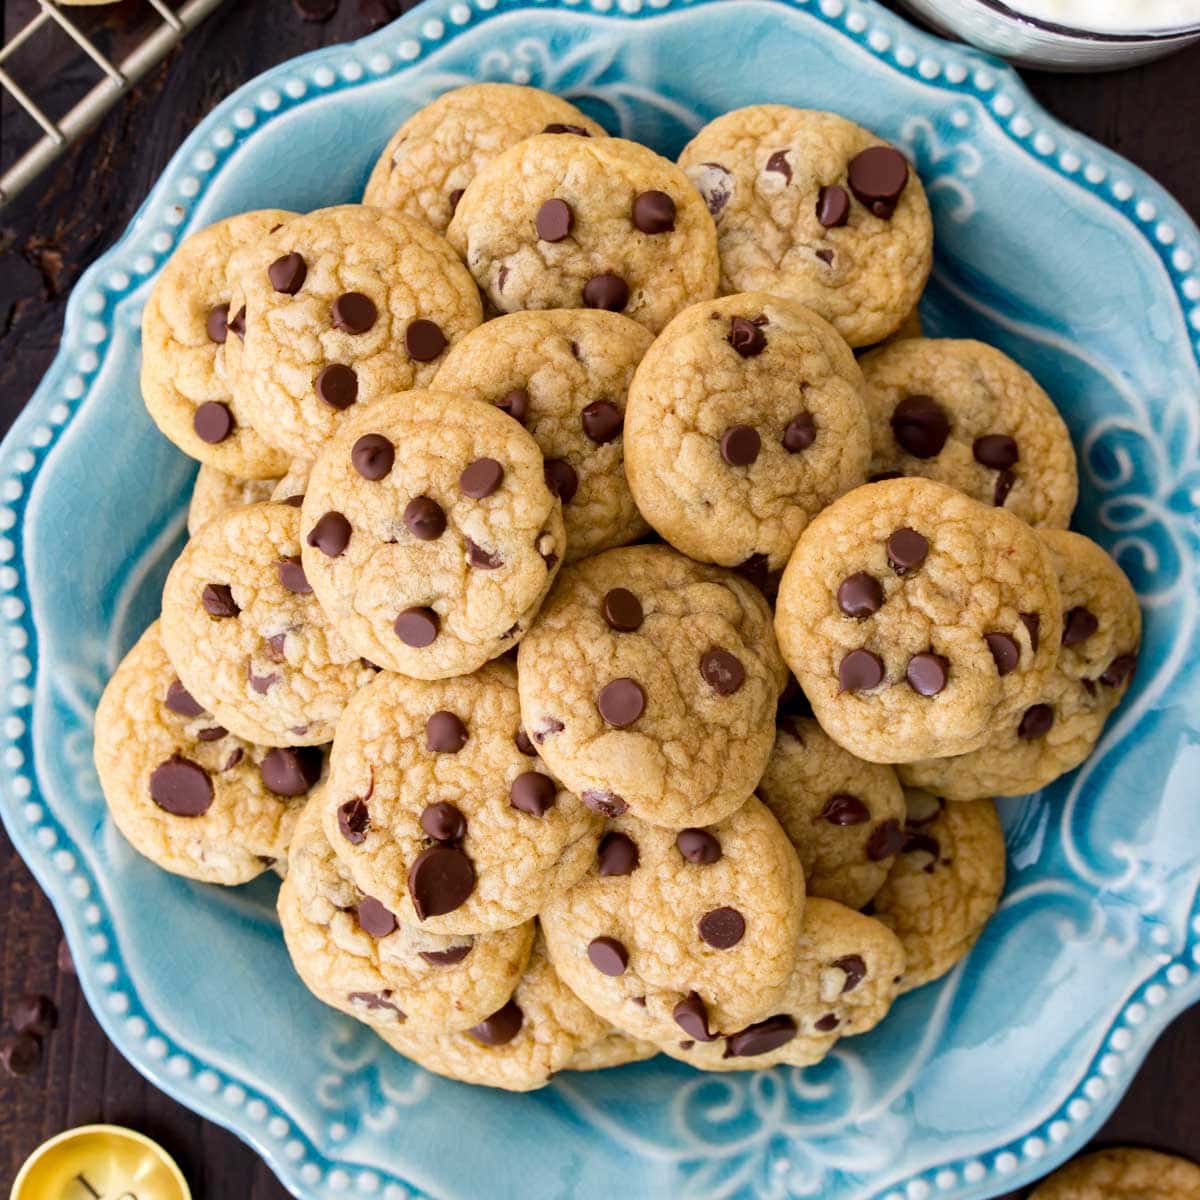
pixel 722 671
pixel 608 292
pixel 854 968
pixel 374 918
pixel 691 1016
pixel 439 881
pixel 424 340
pixel 622 610
pixel 330 535
pixel 354 313
pixel 354 820
pixel 616 855
pixel 561 479
pixel 373 456
pixel 180 700
pixel 337 386
pixel 181 787
pixel 859 671
pixel 654 212
pixel 746 337
pixel 602 421
pixel 501 1027
pixel 740 445
pixel 217 323
pixel 446 958
pixel 1036 722
pixel 1119 670
pixel 218 601
pixel 843 809
pixel 607 804
pixel 1004 485
pixel 887 839
pixel 608 955
pixel 1079 624
pixel 289 771
pixel 515 403
pixel 760 1038
pixel 698 846
pixel 291 575
pixel 1033 624
pixel 445 733
pixel 1005 652
pixel 533 793
pixel 481 478
pixel 424 518
pixel 860 595
pixel 833 206
pixel 920 426
pixel 995 450
pixel 878 177
pixel 621 702
pixel 287 274
pixel 443 822
pixel 927 673
pixel 800 433
pixel 906 550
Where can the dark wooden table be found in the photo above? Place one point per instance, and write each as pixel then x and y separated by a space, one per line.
pixel 76 211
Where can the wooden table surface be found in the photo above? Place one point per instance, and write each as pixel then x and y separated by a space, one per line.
pixel 51 233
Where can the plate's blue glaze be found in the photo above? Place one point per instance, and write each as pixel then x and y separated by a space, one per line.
pixel 1049 246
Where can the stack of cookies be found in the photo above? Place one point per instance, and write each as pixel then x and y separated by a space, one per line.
pixel 606 611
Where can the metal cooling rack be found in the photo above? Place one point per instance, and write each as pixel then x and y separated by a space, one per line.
pixel 117 79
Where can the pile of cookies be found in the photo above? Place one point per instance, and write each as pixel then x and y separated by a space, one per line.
pixel 602 606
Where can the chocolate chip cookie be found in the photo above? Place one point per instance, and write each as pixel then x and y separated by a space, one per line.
pixel 745 419
pixel 1096 661
pixel 571 222
pixel 215 492
pixel 353 954
pixel 814 208
pixel 342 306
pixel 649 683
pixel 682 936
pixel 967 415
pixel 917 620
pixel 564 375
pixel 247 637
pixel 945 884
pixel 426 166
pixel 430 532
pixel 1122 1173
pixel 185 792
pixel 844 816
pixel 188 324
pixel 843 984
pixel 440 809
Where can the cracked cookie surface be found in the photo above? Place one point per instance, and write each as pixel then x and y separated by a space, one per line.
pixel 430 534
pixel 649 683
pixel 746 418
pixel 571 222
pixel 1122 1173
pixel 812 207
pixel 908 613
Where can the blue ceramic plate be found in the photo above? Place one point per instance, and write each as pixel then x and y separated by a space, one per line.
pixel 1048 246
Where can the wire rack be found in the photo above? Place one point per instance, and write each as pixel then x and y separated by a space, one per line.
pixel 57 134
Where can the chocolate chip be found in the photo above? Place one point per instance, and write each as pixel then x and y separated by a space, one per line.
pixel 532 793
pixel 521 738
pixel 1078 625
pixel 617 855
pixel 886 839
pixel 927 673
pixel 722 671
pixel 906 550
pixel 446 958
pixel 374 919
pixel 218 600
pixel 20 1054
pixel 215 734
pixel 439 881
pixel 722 928
pixel 698 846
pixel 424 518
pixel 515 403
pixel 877 177
pixel 558 127
pixel 922 843
pixel 330 535
pixel 692 1017
pixel 288 771
pixel 373 456
pixel 860 595
pixel 995 450
pixel 291 575
pixel 607 804
pixel 920 426
pixel 843 809
pixel 654 212
pixel 833 206
pixel 883 475
pixel 275 647
pixel 424 340
pixel 354 820
pixel 1033 624
pixel 481 478
pixel 716 186
pixel 417 627
pixel 484 560
pixel 213 422
pixel 287 274
pixel 354 313
pixel 825 255
pixel 1004 485
pixel 740 445
pixel 238 323
pixel 778 163
pixel 826 1024
pixel 609 292
pixel 800 433
pixel 608 956
pixel 755 570
pixel 549 726
pixel 261 683
pixel 554 220
pixel 234 758
pixel 444 822
pixel 859 671
pixel 456 194
pixel 217 324
pixel 180 700
pixel 760 1038
pixel 602 421
pixel 1036 722
pixel 181 787
pixel 640 1001
pixel 746 337
pixel 622 610
pixel 337 386
pixel 1005 652
pixel 1119 670
pixel 501 1027
pixel 445 733
pixel 293 501
pixel 621 702
pixel 34 1014
pixel 561 479
pixel 376 1000
pixel 854 968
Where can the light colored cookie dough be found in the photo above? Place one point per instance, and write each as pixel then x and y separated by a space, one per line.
pixel 966 414
pixel 745 419
pixel 291 488
pixel 844 982
pixel 440 814
pixel 215 492
pixel 185 339
pixel 430 534
pixel 431 158
pixel 343 306
pixel 1122 1173
pixel 247 636
pixel 810 206
pixel 844 816
pixel 649 683
pixel 571 222
pixel 564 375
pixel 1101 631
pixel 615 1049
pixel 906 613
pixel 191 797
pixel 945 884
pixel 354 955
pixel 682 936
